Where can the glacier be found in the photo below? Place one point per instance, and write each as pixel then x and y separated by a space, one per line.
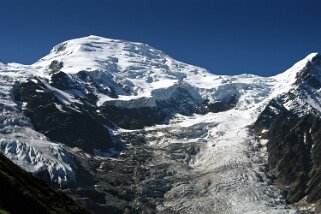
pixel 227 171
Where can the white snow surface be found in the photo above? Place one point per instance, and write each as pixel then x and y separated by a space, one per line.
pixel 226 169
pixel 148 73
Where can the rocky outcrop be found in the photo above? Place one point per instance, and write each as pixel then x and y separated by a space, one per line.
pixel 294 151
pixel 223 105
pixel 311 73
pixel 52 113
pixel 180 101
pixel 71 123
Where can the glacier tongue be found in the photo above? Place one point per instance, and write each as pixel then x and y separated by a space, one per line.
pixel 228 174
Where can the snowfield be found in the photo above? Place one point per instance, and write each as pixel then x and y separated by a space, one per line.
pixel 226 175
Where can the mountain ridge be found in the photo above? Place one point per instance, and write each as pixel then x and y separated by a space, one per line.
pixel 150 109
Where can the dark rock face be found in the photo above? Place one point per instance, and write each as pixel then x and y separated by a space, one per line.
pixel 223 105
pixel 294 151
pixel 181 102
pixel 311 73
pixel 55 66
pixel 95 81
pixel 136 118
pixel 73 125
pixel 23 193
pixel 133 118
pixel 268 116
pixel 63 82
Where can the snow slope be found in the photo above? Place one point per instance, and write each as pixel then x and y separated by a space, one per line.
pixel 141 75
pixel 138 71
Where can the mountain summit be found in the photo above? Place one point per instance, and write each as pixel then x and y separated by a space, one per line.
pixel 138 67
pixel 123 127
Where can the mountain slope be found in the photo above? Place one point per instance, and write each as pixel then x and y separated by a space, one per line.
pixel 292 128
pixel 19 141
pixel 124 127
pixel 23 193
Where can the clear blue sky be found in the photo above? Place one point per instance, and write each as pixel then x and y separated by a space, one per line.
pixel 226 36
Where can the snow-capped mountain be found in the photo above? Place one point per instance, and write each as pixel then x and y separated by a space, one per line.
pixel 123 126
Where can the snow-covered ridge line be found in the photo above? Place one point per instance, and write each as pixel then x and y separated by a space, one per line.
pixel 144 71
pixel 139 72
